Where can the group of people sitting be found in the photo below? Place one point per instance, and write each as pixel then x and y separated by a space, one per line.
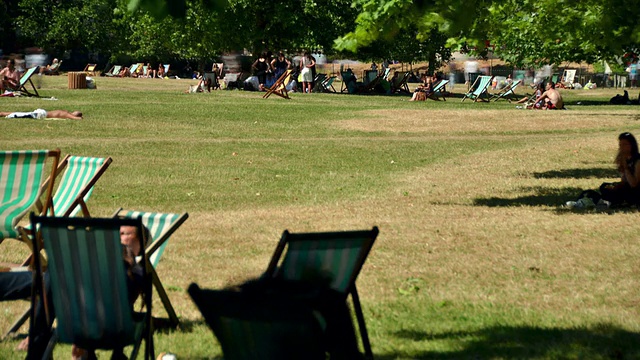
pixel 425 89
pixel 544 99
pixel 144 71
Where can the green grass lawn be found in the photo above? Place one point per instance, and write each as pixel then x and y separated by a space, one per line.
pixel 475 257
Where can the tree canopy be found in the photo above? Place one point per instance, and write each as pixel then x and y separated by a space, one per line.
pixel 522 32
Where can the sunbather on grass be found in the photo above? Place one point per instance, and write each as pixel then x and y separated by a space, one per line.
pixel 43 114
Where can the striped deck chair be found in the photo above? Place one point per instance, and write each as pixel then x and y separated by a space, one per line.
pixel 133 69
pixel 89 285
pixel 438 90
pixel 318 82
pixel 114 71
pixel 507 91
pixel 26 79
pixel 327 85
pixel 250 328
pixel 478 88
pixel 161 226
pixel 21 174
pixel 338 255
pixel 280 86
pixel 74 189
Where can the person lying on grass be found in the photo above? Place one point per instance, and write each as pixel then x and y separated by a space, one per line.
pixel 43 114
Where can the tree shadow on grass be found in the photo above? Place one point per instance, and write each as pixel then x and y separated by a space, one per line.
pixel 577 173
pixel 185 326
pixel 604 341
pixel 542 197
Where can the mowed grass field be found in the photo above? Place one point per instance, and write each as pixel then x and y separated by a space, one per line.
pixel 475 257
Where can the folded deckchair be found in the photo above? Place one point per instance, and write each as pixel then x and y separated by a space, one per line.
pixel 438 89
pixel 74 189
pixel 507 91
pixel 338 257
pixel 161 226
pixel 114 71
pixel 21 175
pixel 89 285
pixel 280 86
pixel 248 327
pixel 90 69
pixel 478 88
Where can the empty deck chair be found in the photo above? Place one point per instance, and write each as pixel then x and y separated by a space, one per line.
pixel 399 83
pixel 90 69
pixel 327 85
pixel 280 86
pixel 479 88
pixel 114 71
pixel 568 77
pixel 339 256
pixel 507 91
pixel 161 226
pixel 89 285
pixel 318 82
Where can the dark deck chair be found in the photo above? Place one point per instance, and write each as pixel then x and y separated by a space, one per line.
pixel 88 285
pixel 280 86
pixel 161 226
pixel 399 83
pixel 338 255
pixel 251 328
pixel 318 82
pixel 213 77
pixel 347 77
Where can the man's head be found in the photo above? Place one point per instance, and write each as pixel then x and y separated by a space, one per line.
pixel 10 63
pixel 77 113
pixel 551 85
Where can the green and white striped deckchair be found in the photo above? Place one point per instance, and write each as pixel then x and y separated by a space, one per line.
pixel 21 174
pixel 506 91
pixel 161 226
pixel 88 285
pixel 478 88
pixel 334 256
pixel 73 191
pixel 438 90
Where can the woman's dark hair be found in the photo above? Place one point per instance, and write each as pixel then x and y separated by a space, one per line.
pixel 619 160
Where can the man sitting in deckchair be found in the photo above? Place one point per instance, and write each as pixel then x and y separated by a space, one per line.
pixel 9 77
pixel 43 114
pixel 50 69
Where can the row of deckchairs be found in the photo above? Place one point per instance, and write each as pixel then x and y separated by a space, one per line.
pixel 115 70
pixel 77 281
pixel 22 189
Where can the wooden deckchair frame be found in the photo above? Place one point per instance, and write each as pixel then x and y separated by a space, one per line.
pixel 476 92
pixel 90 69
pixel 280 86
pixel 506 91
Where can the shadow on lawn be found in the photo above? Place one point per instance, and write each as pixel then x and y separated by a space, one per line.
pixel 577 173
pixel 503 342
pixel 542 197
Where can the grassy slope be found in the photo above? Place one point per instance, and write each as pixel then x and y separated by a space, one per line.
pixel 474 259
